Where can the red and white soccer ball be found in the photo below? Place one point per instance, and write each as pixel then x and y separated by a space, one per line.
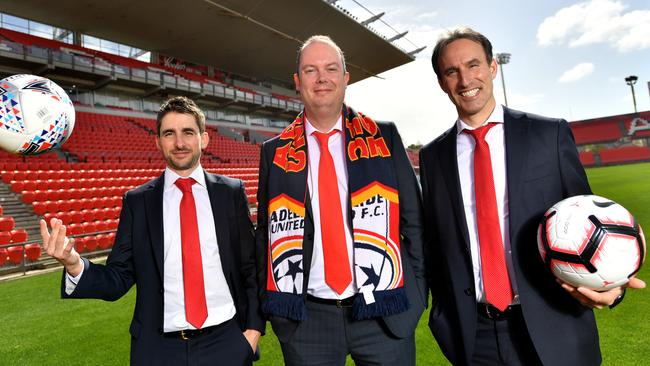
pixel 591 241
pixel 36 115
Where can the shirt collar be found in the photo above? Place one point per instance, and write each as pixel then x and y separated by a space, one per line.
pixel 171 177
pixel 309 128
pixel 495 117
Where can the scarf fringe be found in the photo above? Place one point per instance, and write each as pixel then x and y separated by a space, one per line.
pixel 286 305
pixel 386 303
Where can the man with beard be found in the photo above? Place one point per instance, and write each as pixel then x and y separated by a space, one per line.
pixel 186 240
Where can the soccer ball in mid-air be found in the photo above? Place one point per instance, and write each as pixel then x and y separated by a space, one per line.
pixel 36 115
pixel 591 241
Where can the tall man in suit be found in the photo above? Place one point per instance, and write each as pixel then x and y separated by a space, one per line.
pixel 339 228
pixel 186 240
pixel 486 183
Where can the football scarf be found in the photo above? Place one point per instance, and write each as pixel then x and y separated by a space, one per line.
pixel 378 271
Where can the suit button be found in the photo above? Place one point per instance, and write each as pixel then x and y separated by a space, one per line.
pixel 469 292
pixel 160 330
pixel 161 291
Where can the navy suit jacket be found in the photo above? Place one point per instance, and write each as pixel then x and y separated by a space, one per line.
pixel 543 168
pixel 402 324
pixel 137 258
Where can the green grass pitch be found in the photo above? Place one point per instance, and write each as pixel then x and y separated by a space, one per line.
pixel 38 328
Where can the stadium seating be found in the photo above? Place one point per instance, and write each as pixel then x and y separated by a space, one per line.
pixel 108 155
pixel 587 158
pixel 596 131
pixel 625 154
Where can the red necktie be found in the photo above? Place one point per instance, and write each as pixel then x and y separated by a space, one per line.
pixel 496 281
pixel 335 252
pixel 196 310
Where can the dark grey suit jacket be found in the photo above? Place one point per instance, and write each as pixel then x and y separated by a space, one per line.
pixel 543 168
pixel 137 258
pixel 400 325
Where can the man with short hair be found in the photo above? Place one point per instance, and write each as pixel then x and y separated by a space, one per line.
pixel 186 240
pixel 339 228
pixel 486 183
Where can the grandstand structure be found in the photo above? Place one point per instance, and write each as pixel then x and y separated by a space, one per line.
pixel 118 61
pixel 613 140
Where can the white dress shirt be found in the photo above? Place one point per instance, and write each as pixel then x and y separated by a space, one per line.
pixel 217 294
pixel 465 154
pixel 218 299
pixel 316 285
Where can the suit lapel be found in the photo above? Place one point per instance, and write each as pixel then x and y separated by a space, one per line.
pixel 218 198
pixel 515 132
pixel 449 164
pixel 153 201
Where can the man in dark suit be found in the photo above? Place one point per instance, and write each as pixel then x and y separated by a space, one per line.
pixel 186 240
pixel 339 228
pixel 486 183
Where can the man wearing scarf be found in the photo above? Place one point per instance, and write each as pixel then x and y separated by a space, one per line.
pixel 339 235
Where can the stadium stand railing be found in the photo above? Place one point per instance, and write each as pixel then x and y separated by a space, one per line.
pixel 75 57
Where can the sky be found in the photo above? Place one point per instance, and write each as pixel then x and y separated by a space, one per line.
pixel 569 59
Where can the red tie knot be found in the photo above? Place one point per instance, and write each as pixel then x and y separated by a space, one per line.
pixel 479 133
pixel 323 138
pixel 185 184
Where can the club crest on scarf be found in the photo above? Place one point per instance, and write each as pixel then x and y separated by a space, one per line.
pixel 378 262
pixel 286 216
pixel 375 221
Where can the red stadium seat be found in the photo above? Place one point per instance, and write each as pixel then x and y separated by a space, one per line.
pixel 15 254
pixel 19 236
pixel 87 215
pixel 7 176
pixel 66 217
pixel 40 208
pixel 104 241
pixel 101 225
pixel 88 227
pixel 49 216
pixel 5 237
pixel 74 229
pixel 17 186
pixel 28 196
pixel 64 205
pixel 32 252
pixel 76 216
pixel 76 205
pixel 91 243
pixel 7 223
pixel 3 256
pixel 111 236
pixel 51 206
pixel 80 245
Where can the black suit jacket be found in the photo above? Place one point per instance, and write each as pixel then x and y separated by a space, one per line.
pixel 543 168
pixel 400 325
pixel 137 258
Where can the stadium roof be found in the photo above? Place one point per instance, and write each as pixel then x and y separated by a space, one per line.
pixel 256 38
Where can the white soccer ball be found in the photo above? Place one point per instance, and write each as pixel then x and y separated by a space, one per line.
pixel 36 115
pixel 591 241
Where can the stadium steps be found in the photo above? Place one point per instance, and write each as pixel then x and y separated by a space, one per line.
pixel 22 213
